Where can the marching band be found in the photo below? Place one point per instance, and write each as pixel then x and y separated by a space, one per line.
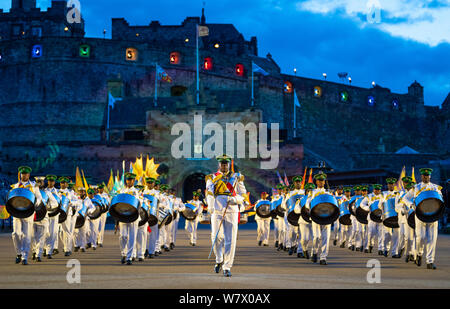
pixel 306 217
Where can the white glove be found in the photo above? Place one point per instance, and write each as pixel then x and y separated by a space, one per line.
pixel 235 200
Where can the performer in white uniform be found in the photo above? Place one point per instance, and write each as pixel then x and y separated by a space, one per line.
pixel 375 228
pixel 102 223
pixel 53 225
pixel 39 228
pixel 141 234
pixel 225 194
pixel 354 229
pixel 277 222
pixel 263 230
pixel 92 237
pixel 68 226
pixel 305 227
pixel 345 230
pixel 403 204
pixel 391 234
pixel 292 232
pixel 178 207
pixel 22 228
pixel 191 225
pixel 166 205
pixel 153 236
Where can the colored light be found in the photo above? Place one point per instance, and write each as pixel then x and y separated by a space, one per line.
pixel 395 104
pixel 85 51
pixel 324 75
pixel 66 29
pixel 137 34
pixel 288 87
pixel 175 58
pixel 317 92
pixel 373 84
pixel 208 63
pixel 344 96
pixel 370 100
pixel 187 40
pixel 239 69
pixel 37 51
pixel 217 45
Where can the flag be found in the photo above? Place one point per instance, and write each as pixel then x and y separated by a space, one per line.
pixel 111 100
pixel 286 181
pixel 296 101
pixel 304 178
pixel 257 69
pixel 310 180
pixel 412 175
pixel 280 179
pixel 85 183
pixel 110 185
pixel 203 31
pixel 78 179
pixel 232 166
pixel 162 75
pixel 399 185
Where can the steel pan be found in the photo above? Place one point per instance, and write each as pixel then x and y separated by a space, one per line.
pixel 163 217
pixel 344 214
pixel 205 218
pixel 189 212
pixel 52 209
pixel 304 211
pixel 97 212
pixel 125 208
pixel 430 206
pixel 390 216
pixel 152 210
pixel 170 217
pixel 263 209
pixel 324 209
pixel 41 209
pixel 412 218
pixel 292 217
pixel 64 210
pixel 81 217
pixel 276 207
pixel 361 214
pixel 376 212
pixel 143 214
pixel 243 218
pixel 20 203
pixel 102 203
pixel 351 204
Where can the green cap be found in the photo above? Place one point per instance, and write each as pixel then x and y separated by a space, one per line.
pixel 223 158
pixel 377 187
pixel 71 184
pixel 157 182
pixel 279 186
pixel 130 176
pixel 90 191
pixel 297 178
pixel 101 186
pixel 391 180
pixel 347 189
pixel 149 179
pixel 51 177
pixel 320 176
pixel 357 188
pixel 164 187
pixel 364 188
pixel 409 185
pixel 195 193
pixel 140 187
pixel 25 169
pixel 426 171
pixel 407 179
pixel 310 186
pixel 63 179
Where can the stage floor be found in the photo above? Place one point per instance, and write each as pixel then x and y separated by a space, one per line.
pixel 188 267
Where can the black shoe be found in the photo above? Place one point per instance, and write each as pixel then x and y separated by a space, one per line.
pixel 279 247
pixel 385 253
pixel 193 245
pixel 55 251
pixel 76 249
pixel 314 258
pixel 361 248
pixel 44 254
pixel 123 260
pixel 94 248
pixel 218 267
pixel 133 259
pixel 151 256
pixel 38 259
pixel 146 253
pixel 88 246
pixel 66 254
pixel 24 262
pixel 334 242
pixel 366 250
pixel 300 255
pixel 370 249
pixel 380 252
pixel 291 251
pixel 129 262
pixel 407 259
pixel 307 255
pixel 49 256
pixel 34 256
pixel 265 245
pixel 431 266
pixel 141 260
pixel 396 256
pixel 172 245
pixel 18 258
pixel 83 250
pixel 401 252
pixel 358 248
pixel 285 248
pixel 100 245
pixel 419 260
pixel 411 258
pixel 342 245
pixel 157 253
pixel 260 243
pixel 353 247
pixel 276 244
pixel 226 273
pixel 323 262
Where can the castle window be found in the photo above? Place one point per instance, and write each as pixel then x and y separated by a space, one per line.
pixel 175 58
pixel 85 51
pixel 36 51
pixel 343 96
pixel 288 88
pixel 177 91
pixel 131 54
pixel 239 69
pixel 395 104
pixel 36 31
pixel 17 30
pixel 208 63
pixel 317 92
pixel 370 100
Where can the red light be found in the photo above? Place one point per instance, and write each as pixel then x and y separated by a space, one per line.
pixel 175 58
pixel 208 64
pixel 239 69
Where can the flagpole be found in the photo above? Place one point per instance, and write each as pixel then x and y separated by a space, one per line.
pixel 107 123
pixel 295 118
pixel 253 94
pixel 198 78
pixel 156 84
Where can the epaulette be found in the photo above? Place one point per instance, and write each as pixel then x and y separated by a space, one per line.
pixel 209 177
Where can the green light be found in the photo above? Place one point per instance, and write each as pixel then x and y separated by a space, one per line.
pixel 85 51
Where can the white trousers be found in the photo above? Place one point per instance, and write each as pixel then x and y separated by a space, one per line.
pixel 101 228
pixel 290 235
pixel 21 235
pixel 164 237
pixel 321 239
pixel 175 229
pixel 354 231
pixel 52 234
pixel 281 231
pixel 275 229
pixel 263 230
pixel 127 238
pixel 191 229
pixel 225 245
pixel 345 232
pixel 375 230
pixel 426 238
pixel 152 239
pixel 93 232
pixel 81 234
pixel 67 232
pixel 39 235
pixel 305 237
pixel 141 241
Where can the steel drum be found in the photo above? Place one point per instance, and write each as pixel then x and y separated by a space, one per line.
pixel 205 218
pixel 376 212
pixel 170 218
pixel 41 209
pixel 64 210
pixel 143 214
pixel 263 209
pixel 102 203
pixel 361 214
pixel 344 214
pixel 412 218
pixel 276 207
pixel 351 204
pixel 324 209
pixel 125 208
pixel 292 217
pixel 189 212
pixel 81 217
pixel 243 218
pixel 163 217
pixel 20 203
pixel 52 209
pixel 152 210
pixel 304 211
pixel 390 215
pixel 97 211
pixel 430 206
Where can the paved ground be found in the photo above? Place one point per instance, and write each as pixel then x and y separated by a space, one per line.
pixel 187 267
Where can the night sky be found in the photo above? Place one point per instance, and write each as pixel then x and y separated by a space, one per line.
pixel 410 42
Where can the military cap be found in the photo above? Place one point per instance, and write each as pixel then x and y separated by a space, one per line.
pixel 426 171
pixel 409 185
pixel 101 186
pixel 90 191
pixel 407 179
pixel 150 179
pixel 310 186
pixel 391 180
pixel 223 158
pixel 279 186
pixel 357 188
pixel 24 169
pixel 63 179
pixel 377 186
pixel 347 189
pixel 130 176
pixel 71 184
pixel 364 188
pixel 140 187
pixel 320 176
pixel 195 193
pixel 297 178
pixel 164 187
pixel 51 177
pixel 157 182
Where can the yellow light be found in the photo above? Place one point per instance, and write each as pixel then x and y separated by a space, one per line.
pixel 187 40
pixel 217 45
pixel 66 29
pixel 137 34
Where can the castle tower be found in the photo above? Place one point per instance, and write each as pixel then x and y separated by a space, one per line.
pixel 23 4
pixel 416 90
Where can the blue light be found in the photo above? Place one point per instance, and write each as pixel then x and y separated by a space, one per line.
pixel 395 104
pixel 37 51
pixel 370 101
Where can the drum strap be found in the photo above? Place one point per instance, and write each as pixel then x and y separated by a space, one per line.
pixel 423 189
